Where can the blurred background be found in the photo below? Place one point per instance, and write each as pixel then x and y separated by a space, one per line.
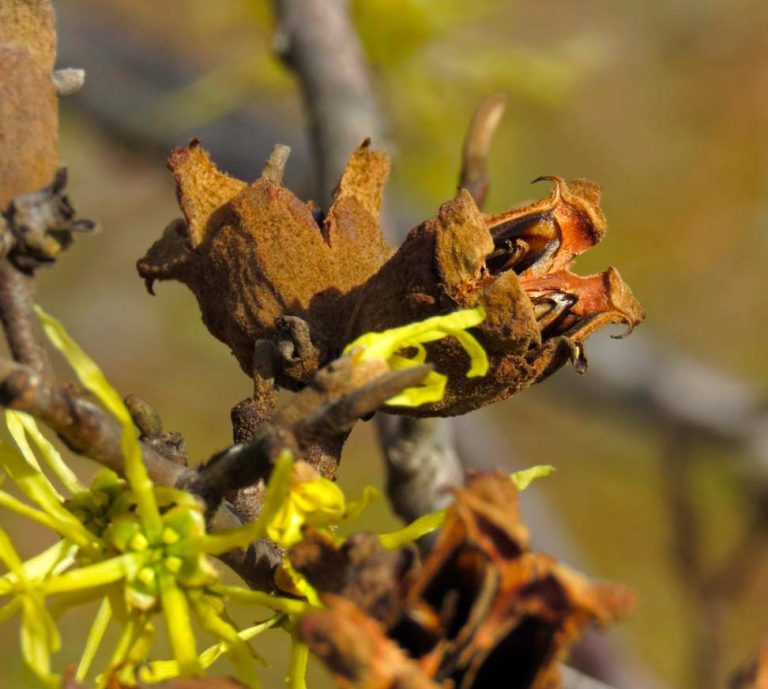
pixel 662 448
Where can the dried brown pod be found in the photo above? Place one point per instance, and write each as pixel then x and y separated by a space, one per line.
pixel 356 650
pixel 263 267
pixel 481 607
pixel 255 256
pixel 361 571
pixel 517 266
pixel 484 605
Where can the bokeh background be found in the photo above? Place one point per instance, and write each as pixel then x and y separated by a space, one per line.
pixel 662 449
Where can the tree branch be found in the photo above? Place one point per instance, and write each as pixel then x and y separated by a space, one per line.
pixel 342 393
pixel 345 391
pixel 82 426
pixel 316 38
pixel 22 329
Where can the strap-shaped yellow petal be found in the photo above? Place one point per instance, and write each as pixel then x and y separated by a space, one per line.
pixel 161 670
pixel 51 455
pixel 297 665
pixel 51 561
pixel 290 606
pixel 391 345
pixel 236 647
pixel 94 639
pixel 523 479
pixel 179 624
pixel 93 576
pixel 91 377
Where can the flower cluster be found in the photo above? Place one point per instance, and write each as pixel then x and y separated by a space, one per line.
pixel 140 549
pixel 144 551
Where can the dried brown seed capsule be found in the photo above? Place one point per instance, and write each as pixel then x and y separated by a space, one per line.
pixel 258 261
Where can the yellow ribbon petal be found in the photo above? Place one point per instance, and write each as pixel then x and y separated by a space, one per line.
pixel 390 345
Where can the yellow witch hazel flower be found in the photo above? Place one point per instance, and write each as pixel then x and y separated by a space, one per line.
pixel 314 501
pixel 309 500
pixel 390 346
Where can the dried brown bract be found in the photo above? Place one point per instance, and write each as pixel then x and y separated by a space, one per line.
pixel 481 607
pixel 264 267
pixel 356 650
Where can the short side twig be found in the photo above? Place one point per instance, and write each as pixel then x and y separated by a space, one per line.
pixel 475 176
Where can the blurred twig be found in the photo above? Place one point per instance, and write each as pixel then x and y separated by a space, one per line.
pixel 316 39
pixel 422 464
pixel 129 74
pixel 474 176
pixel 712 589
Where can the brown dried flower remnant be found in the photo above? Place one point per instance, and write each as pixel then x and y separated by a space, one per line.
pixel 37 226
pixel 482 607
pixel 265 268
